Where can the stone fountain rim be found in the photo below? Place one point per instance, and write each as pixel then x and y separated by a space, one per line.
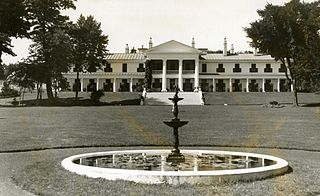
pixel 92 171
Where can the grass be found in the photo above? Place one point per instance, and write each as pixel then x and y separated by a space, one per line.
pixel 289 132
pixel 28 128
pixel 67 99
pixel 44 176
pixel 126 98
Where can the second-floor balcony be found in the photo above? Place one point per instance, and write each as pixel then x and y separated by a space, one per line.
pixel 173 71
pixel 188 71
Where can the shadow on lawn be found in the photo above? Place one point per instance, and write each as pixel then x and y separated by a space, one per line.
pixel 73 102
pixel 311 105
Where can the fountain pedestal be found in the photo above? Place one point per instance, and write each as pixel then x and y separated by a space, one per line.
pixel 175 156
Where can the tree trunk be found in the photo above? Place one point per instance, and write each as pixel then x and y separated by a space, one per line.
pixel 23 94
pixel 49 90
pixel 295 93
pixel 40 91
pixel 292 81
pixel 0 55
pixel 77 85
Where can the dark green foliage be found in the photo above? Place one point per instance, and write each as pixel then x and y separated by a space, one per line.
pixel 289 33
pixel 21 75
pixel 6 91
pixel 13 23
pixel 2 76
pixel 51 50
pixel 89 45
pixel 96 95
pixel 148 75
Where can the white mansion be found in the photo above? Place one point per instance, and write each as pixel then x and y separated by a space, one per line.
pixel 176 64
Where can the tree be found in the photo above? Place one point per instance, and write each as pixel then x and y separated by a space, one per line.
pixel 13 23
pixel 20 75
pixel 89 45
pixel 50 49
pixel 148 74
pixel 2 76
pixel 59 59
pixel 289 34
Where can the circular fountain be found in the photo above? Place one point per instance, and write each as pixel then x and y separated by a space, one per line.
pixel 176 166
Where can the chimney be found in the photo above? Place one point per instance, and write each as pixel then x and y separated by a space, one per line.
pixel 150 43
pixel 232 49
pixel 142 49
pixel 225 48
pixel 255 52
pixel 127 49
pixel 193 43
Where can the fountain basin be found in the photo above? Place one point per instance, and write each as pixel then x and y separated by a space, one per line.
pixel 201 166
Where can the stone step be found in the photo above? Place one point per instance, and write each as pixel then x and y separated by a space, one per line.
pixel 161 98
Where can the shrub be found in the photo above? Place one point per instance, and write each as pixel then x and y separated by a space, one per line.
pixel 96 95
pixel 6 91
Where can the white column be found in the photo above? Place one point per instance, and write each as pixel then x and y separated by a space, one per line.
pixel 196 75
pixel 226 89
pixel 263 82
pixel 278 85
pixel 247 85
pixel 230 85
pixel 81 86
pixel 164 75
pixel 163 162
pixel 214 85
pixel 131 83
pixel 114 85
pixel 97 84
pixel 196 164
pixel 247 162
pixel 180 81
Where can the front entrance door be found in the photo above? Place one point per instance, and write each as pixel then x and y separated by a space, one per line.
pixel 172 85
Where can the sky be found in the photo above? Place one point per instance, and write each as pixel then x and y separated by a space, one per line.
pixel 133 22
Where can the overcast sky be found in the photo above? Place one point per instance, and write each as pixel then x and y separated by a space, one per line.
pixel 133 22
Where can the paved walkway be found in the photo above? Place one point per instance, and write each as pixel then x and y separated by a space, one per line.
pixel 7 187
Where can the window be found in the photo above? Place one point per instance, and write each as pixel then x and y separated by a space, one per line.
pixel 237 68
pixel 253 68
pixel 204 67
pixel 268 68
pixel 140 68
pixel 156 64
pixel 172 64
pixel 220 68
pixel 156 83
pixel 188 65
pixel 108 68
pixel 124 67
pixel 282 68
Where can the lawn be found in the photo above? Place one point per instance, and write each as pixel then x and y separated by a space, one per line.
pixel 36 139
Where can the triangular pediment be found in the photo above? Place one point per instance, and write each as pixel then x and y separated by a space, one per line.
pixel 173 47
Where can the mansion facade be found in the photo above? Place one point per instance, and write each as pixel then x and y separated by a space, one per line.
pixel 177 64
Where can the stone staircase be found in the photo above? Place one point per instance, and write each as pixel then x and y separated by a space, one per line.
pixel 161 98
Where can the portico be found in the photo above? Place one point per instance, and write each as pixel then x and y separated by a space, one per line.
pixel 175 61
